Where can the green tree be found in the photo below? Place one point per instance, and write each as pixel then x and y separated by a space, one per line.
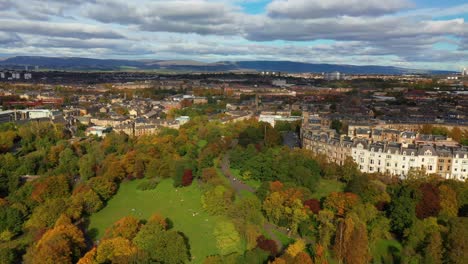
pixel 217 200
pixel 402 208
pixel 433 253
pixel 161 246
pixel 458 241
pixel 227 237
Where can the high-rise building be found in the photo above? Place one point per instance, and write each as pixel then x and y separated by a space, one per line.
pixel 464 72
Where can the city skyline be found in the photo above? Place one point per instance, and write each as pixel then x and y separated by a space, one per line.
pixel 413 34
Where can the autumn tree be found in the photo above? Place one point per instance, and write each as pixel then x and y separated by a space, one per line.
pixel 115 250
pixel 127 227
pixel 187 178
pixel 429 205
pixel 358 252
pixel 267 245
pixel 313 205
pixel 341 203
pixel 104 187
pixel 50 188
pixel 285 207
pixel 61 244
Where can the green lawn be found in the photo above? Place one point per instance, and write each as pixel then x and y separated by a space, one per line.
pixel 326 187
pixel 177 204
pixel 386 250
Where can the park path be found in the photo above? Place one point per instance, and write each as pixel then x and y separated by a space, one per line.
pixel 236 184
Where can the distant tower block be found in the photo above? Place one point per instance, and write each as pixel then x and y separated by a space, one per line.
pixel 464 72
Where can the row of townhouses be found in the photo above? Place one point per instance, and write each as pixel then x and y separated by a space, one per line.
pixel 392 158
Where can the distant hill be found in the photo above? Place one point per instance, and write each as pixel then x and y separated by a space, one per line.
pixel 75 63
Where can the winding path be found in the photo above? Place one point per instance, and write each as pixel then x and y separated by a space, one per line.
pixel 236 184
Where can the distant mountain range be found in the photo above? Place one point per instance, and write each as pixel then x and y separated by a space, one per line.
pixel 87 64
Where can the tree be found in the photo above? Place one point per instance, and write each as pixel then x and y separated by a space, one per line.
pixel 295 248
pixel 285 207
pixel 457 239
pixel 326 227
pixel 217 200
pixel 433 253
pixel 11 219
pixel 87 166
pixel 47 213
pixel 227 237
pixel 358 251
pixel 448 202
pixel 104 187
pixel 115 250
pixel 61 244
pixel 402 208
pixel 50 188
pixel 187 178
pixel 302 258
pixel 313 205
pixel 68 163
pixel 341 203
pixel 429 205
pixel 267 245
pixel 161 246
pixel 87 199
pixel 127 227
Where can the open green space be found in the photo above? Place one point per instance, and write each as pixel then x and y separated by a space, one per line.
pixel 181 205
pixel 385 250
pixel 325 187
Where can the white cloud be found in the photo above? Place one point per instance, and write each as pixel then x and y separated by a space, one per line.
pixel 301 9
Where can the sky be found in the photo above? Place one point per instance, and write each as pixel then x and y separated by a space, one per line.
pixel 423 34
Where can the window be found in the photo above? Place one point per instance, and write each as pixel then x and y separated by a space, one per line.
pixel 441 168
pixel 371 161
pixel 430 167
pixel 388 164
pixel 404 158
pixel 403 166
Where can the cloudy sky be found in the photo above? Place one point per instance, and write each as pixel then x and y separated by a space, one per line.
pixel 429 34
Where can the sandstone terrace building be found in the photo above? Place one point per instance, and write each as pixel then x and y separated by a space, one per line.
pixel 388 151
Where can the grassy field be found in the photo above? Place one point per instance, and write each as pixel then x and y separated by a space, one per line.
pixel 326 187
pixel 385 249
pixel 177 204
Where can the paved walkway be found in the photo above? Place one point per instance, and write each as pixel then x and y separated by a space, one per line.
pixel 237 184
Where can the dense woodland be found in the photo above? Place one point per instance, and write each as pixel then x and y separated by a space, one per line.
pixel 51 183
